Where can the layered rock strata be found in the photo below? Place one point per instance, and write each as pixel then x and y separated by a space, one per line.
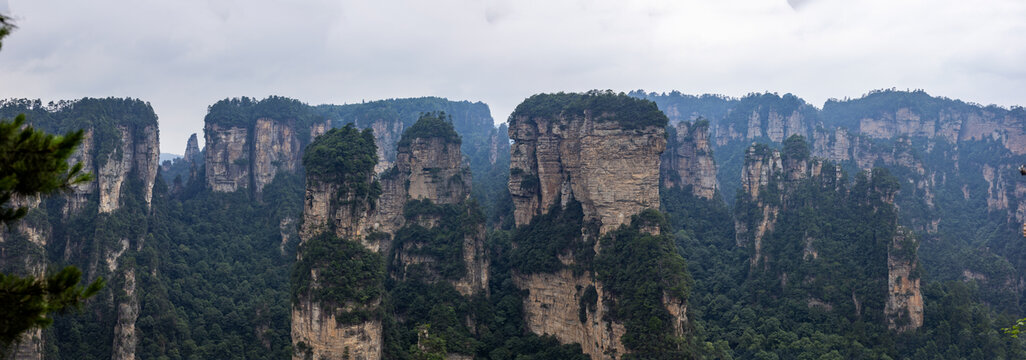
pixel 688 160
pixel 612 171
pixel 608 163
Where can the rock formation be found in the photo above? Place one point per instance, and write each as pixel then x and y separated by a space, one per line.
pixel 612 171
pixel 249 142
pixel 429 167
pixel 192 151
pixel 904 308
pixel 609 163
pixel 121 151
pixel 688 160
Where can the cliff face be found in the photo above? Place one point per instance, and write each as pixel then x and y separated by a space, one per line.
pixel 904 308
pixel 553 304
pixel 612 171
pixel 611 167
pixel 227 158
pixel 435 171
pixel 427 167
pixel 688 160
pixel 323 337
pixel 192 150
pixel 249 157
pixel 248 142
pixel 120 149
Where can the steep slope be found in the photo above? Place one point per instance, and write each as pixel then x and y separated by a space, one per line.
pixel 414 221
pixel 688 160
pixel 248 142
pixel 97 224
pixel 581 166
pixel 787 218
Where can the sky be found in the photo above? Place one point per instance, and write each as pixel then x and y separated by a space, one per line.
pixel 183 55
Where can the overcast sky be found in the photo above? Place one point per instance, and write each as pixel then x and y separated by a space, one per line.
pixel 184 55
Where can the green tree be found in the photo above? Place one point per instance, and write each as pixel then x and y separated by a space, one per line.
pixel 35 163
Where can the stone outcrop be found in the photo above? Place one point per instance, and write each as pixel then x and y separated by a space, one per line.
pixel 612 168
pixel 553 304
pixel 316 334
pixel 122 153
pixel 125 334
pixel 249 156
pixel 426 168
pixel 192 150
pixel 227 157
pixel 688 160
pixel 612 171
pixel 138 152
pixel 435 170
pixel 904 308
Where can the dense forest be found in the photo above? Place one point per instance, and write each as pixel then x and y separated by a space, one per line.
pixel 200 274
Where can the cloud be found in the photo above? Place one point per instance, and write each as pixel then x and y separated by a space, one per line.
pixel 182 56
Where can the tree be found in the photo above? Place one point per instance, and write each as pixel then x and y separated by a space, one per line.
pixel 26 301
pixel 32 163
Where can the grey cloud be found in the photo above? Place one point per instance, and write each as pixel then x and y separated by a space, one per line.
pixel 184 55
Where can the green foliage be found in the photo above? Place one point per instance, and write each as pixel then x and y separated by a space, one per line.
pixel 561 231
pixel 431 125
pixel 106 118
pixel 345 156
pixel 795 148
pixel 26 301
pixel 629 112
pixel 444 241
pixel 32 163
pixel 683 107
pixel 6 26
pixel 349 276
pixel 637 269
pixel 1015 329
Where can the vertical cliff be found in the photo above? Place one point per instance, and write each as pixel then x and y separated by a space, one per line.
pixel 338 280
pixel 904 308
pixel 415 214
pixel 248 142
pixel 582 165
pixel 600 158
pixel 688 160
pixel 120 148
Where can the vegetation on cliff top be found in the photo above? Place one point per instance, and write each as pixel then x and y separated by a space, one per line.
pixel 431 125
pixel 629 112
pixel 345 156
pixel 101 116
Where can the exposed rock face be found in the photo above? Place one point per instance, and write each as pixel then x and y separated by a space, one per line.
pixel 435 170
pixel 613 172
pixel 249 157
pixel 689 160
pixel 316 330
pixel 904 308
pixel 426 168
pixel 227 157
pixel 125 335
pixel 275 148
pixel 192 151
pixel 553 306
pixel 80 194
pixel 139 152
pixel 763 168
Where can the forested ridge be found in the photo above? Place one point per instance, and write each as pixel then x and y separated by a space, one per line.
pixel 216 274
